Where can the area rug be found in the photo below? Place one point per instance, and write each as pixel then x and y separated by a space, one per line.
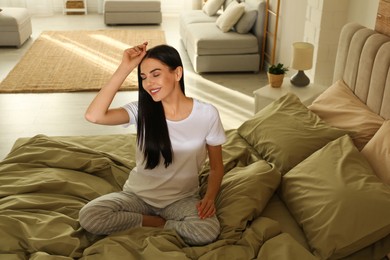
pixel 71 61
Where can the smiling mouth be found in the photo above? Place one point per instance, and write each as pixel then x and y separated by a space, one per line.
pixel 155 90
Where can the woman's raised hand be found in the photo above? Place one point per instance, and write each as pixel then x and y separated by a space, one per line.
pixel 99 110
pixel 133 56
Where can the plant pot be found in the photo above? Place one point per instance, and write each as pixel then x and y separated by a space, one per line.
pixel 275 80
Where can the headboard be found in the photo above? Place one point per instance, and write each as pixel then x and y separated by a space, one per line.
pixel 363 62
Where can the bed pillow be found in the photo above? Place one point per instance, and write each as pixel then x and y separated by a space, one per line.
pixel 285 132
pixel 339 107
pixel 244 193
pixel 377 152
pixel 230 16
pixel 338 201
pixel 247 20
pixel 211 7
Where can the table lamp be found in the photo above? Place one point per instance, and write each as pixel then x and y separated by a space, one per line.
pixel 302 60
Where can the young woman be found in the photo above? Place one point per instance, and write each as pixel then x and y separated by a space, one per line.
pixel 175 134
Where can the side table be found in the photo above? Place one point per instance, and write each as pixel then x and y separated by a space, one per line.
pixel 268 94
pixel 74 10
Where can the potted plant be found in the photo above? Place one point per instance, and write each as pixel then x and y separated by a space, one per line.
pixel 276 74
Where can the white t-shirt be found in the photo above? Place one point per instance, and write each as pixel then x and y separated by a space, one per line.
pixel 162 186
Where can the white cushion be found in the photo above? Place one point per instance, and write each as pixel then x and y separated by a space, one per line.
pixel 230 16
pixel 211 7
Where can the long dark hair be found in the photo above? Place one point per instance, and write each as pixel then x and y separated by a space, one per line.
pixel 152 130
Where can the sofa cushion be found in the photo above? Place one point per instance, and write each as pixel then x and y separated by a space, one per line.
pixel 193 16
pixel 247 20
pixel 211 7
pixel 228 2
pixel 13 18
pixel 210 40
pixel 196 16
pixel 230 16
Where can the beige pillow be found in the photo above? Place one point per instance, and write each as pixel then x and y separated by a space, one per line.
pixel 230 16
pixel 338 201
pixel 247 20
pixel 211 7
pixel 339 107
pixel 377 152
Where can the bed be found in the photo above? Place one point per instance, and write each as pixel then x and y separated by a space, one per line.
pixel 300 182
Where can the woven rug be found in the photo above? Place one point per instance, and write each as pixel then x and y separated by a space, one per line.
pixel 69 61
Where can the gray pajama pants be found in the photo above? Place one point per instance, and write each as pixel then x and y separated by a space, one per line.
pixel 119 211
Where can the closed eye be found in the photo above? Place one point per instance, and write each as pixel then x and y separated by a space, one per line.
pixel 154 73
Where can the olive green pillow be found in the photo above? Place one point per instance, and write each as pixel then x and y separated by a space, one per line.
pixel 337 199
pixel 286 132
pixel 244 193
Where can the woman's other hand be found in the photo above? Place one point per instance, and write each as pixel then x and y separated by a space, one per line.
pixel 206 208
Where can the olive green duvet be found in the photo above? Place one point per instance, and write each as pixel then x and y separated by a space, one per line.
pixel 46 180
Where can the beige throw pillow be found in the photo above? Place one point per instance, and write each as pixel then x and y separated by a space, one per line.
pixel 230 16
pixel 247 20
pixel 377 152
pixel 211 7
pixel 339 107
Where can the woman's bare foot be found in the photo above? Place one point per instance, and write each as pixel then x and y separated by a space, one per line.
pixel 153 221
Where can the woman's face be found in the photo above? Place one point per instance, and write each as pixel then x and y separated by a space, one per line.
pixel 158 79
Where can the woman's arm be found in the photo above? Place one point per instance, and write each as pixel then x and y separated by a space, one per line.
pixel 206 207
pixel 99 111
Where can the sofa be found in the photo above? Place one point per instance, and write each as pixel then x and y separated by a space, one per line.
pixel 15 26
pixel 299 182
pixel 225 36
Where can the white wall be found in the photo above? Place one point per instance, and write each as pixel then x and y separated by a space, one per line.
pixel 291 28
pixel 320 22
pixel 363 12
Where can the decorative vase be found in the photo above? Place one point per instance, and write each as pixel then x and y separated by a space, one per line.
pixel 275 80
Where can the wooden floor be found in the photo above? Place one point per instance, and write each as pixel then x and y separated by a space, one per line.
pixel 25 115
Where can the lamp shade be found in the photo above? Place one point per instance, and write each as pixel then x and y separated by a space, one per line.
pixel 302 56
